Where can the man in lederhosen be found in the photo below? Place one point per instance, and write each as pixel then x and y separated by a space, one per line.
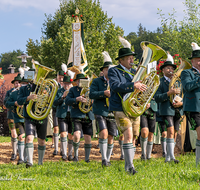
pixel 32 126
pixel 12 104
pixel 60 76
pixel 190 80
pixel 16 83
pixel 106 125
pixel 80 120
pixel 171 113
pixel 63 115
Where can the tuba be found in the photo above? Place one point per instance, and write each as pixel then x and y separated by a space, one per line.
pixel 135 103
pixel 45 90
pixel 85 84
pixel 19 111
pixel 176 81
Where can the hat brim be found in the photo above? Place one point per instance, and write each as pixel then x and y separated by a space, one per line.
pixel 15 80
pixel 194 57
pixel 81 78
pixel 101 69
pixel 163 66
pixel 126 55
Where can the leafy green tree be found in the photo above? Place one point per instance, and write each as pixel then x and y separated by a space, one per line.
pixel 100 34
pixel 11 58
pixel 178 35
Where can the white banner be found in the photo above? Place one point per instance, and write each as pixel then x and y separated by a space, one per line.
pixel 77 43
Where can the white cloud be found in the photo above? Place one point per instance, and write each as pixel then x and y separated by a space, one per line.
pixel 47 6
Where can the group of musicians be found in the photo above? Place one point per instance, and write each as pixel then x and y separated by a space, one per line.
pixel 70 121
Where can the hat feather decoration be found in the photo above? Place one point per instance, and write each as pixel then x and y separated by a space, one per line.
pixel 21 71
pixel 71 74
pixel 106 56
pixel 124 42
pixel 195 46
pixel 169 58
pixel 64 68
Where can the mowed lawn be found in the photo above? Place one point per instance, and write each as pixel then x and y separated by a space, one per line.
pixel 152 174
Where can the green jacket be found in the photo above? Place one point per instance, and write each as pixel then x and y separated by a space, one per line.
pixel 9 112
pixel 161 97
pixel 97 88
pixel 10 103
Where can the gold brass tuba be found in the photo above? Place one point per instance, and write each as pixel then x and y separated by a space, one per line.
pixel 176 81
pixel 85 84
pixel 135 103
pixel 45 90
pixel 19 111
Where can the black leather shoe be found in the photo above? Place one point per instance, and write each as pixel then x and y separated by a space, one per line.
pixel 143 157
pixel 20 161
pixel 176 161
pixel 64 157
pixel 61 153
pixel 55 152
pixel 13 157
pixel 122 157
pixel 112 153
pixel 28 165
pixel 109 164
pixel 75 159
pixel 132 171
pixel 104 163
pixel 87 161
pixel 163 155
pixel 70 157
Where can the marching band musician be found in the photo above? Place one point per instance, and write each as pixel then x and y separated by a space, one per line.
pixel 171 113
pixel 147 124
pixel 80 120
pixel 19 122
pixel 63 115
pixel 120 80
pixel 32 126
pixel 190 80
pixel 16 83
pixel 60 76
pixel 106 125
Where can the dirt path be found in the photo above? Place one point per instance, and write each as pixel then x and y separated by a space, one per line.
pixel 6 151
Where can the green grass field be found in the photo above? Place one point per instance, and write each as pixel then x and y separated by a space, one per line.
pixel 153 174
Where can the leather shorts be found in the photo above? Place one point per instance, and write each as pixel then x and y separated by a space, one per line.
pixel 194 119
pixel 65 125
pixel 33 126
pixel 172 121
pixel 19 128
pixel 148 121
pixel 55 119
pixel 106 123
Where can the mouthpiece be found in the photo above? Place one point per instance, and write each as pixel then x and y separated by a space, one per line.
pixel 132 64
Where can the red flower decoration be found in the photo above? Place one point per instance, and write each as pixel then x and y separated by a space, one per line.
pixel 81 15
pixel 0 68
pixel 176 55
pixel 71 80
pixel 76 16
pixel 72 15
pixel 64 73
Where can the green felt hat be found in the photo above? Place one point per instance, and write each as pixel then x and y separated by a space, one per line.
pixel 106 64
pixel 67 79
pixel 17 78
pixel 80 76
pixel 31 69
pixel 61 72
pixel 195 53
pixel 24 80
pixel 125 52
pixel 168 63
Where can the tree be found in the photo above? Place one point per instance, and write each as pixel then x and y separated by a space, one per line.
pixel 178 35
pixel 100 34
pixel 10 58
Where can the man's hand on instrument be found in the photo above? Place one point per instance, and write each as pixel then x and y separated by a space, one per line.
pixel 107 93
pixel 81 99
pixel 16 104
pixel 148 106
pixel 32 97
pixel 65 93
pixel 177 104
pixel 141 87
pixel 174 91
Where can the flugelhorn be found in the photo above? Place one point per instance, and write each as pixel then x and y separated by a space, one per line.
pixel 134 104
pixel 45 90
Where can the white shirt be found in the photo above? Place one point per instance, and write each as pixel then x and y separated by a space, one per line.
pixel 195 69
pixel 128 70
pixel 167 78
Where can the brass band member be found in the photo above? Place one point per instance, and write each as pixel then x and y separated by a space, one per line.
pixel 106 125
pixel 171 114
pixel 63 114
pixel 10 117
pixel 190 80
pixel 32 126
pixel 80 120
pixel 120 80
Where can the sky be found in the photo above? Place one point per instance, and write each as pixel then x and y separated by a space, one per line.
pixel 23 19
